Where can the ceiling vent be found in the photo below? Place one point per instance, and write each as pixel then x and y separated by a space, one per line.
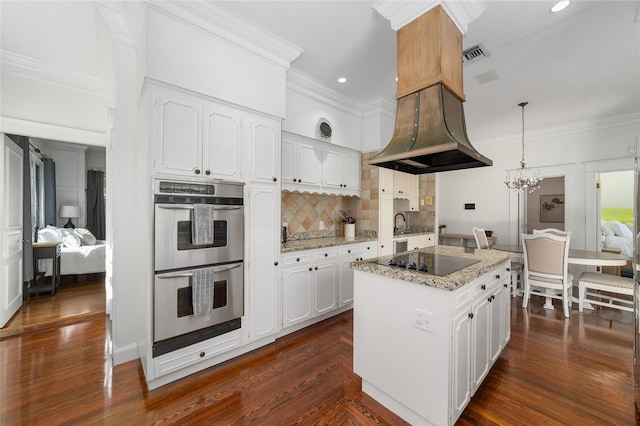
pixel 474 54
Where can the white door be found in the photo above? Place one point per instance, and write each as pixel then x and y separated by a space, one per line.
pixel 11 231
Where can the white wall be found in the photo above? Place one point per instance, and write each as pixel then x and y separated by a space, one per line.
pixel 304 110
pixel 556 152
pixel 189 56
pixel 617 190
pixel 378 122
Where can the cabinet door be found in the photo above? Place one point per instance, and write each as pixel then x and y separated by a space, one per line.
pixel 264 150
pixel 296 292
pixel 332 169
pixel 481 330
pixel 222 145
pixel 177 125
pixel 505 319
pixel 264 252
pixel 414 193
pixel 461 364
pixel 325 287
pixel 346 280
pixel 309 166
pixel 401 185
pixel 289 161
pixel 385 224
pixel 352 171
pixel 495 334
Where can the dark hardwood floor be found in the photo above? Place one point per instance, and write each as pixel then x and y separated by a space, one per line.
pixel 78 299
pixel 553 371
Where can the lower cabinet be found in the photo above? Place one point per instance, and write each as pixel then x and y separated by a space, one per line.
pixel 415 242
pixel 316 282
pixel 479 331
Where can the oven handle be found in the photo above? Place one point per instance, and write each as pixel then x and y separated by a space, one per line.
pixel 190 274
pixel 190 207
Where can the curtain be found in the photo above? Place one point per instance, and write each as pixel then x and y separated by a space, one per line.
pixel 49 191
pixel 95 204
pixel 27 225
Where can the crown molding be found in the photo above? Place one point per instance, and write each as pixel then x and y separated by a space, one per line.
pixel 112 17
pixel 48 72
pixel 302 83
pixel 402 12
pixel 51 131
pixel 222 24
pixel 380 106
pixel 566 130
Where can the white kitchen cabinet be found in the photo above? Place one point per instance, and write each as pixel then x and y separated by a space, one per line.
pixel 264 256
pixel 316 166
pixel 263 149
pixel 406 186
pixel 301 165
pixel 415 242
pixel 452 358
pixel 317 282
pixel 194 136
pixel 346 255
pixel 341 171
pixel 385 216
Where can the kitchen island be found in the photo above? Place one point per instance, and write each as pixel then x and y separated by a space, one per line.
pixel 423 343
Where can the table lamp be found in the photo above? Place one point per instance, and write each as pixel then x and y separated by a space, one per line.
pixel 69 212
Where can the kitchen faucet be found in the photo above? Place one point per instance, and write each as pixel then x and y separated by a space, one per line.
pixel 395 221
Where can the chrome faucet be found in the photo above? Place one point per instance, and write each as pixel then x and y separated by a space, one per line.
pixel 395 221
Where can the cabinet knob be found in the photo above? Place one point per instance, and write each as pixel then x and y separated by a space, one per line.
pixel 295 180
pixel 310 269
pixel 207 172
pixel 505 285
pixel 489 299
pixel 275 263
pixel 316 268
pixel 348 251
pixel 326 254
pixel 202 354
pixel 508 269
pixel 299 180
pixel 483 286
pixel 275 179
pixel 197 171
pixel 470 315
pixel 497 276
pixel 382 189
pixel 297 259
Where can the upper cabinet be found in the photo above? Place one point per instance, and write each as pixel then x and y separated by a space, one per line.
pixel 196 136
pixel 315 166
pixel 406 186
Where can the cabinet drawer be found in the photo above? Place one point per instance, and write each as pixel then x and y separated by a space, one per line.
pixel 296 258
pixel 369 250
pixel 328 253
pixel 350 250
pixel 184 358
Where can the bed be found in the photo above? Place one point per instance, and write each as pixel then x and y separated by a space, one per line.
pixel 616 229
pixel 81 253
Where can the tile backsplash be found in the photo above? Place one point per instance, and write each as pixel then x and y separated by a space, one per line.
pixel 304 212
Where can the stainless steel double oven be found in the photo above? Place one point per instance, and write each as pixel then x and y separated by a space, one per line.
pixel 176 259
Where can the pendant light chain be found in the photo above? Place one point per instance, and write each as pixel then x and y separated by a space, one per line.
pixel 521 180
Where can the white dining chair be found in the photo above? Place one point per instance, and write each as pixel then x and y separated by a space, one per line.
pixel 546 267
pixel 481 238
pixel 550 231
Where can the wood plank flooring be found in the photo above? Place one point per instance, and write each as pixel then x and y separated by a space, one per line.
pixel 553 371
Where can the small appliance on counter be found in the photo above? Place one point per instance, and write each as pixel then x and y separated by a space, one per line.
pixel 285 232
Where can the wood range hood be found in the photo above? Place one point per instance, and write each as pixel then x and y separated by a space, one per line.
pixel 430 134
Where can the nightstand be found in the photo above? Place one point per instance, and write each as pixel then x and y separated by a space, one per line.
pixel 611 270
pixel 45 251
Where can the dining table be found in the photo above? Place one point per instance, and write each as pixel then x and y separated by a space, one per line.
pixel 576 257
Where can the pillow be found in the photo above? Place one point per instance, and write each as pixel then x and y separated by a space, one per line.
pixel 86 237
pixel 605 227
pixel 70 238
pixel 619 229
pixel 50 234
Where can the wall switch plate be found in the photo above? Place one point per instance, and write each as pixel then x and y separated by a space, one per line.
pixel 423 320
pixel 321 225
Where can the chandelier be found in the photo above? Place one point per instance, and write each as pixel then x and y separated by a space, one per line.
pixel 521 179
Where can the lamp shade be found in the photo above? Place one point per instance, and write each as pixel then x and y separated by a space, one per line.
pixel 69 211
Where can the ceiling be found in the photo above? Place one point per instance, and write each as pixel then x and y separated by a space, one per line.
pixel 580 65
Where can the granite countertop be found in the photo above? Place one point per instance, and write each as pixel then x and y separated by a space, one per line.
pixel 489 260
pixel 315 243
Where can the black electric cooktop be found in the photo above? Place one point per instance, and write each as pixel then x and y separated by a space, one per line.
pixel 427 263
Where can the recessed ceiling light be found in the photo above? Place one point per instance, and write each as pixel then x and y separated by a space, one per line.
pixel 561 5
pixel 342 80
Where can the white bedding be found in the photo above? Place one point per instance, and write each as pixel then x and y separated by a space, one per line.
pixel 623 243
pixel 615 234
pixel 78 260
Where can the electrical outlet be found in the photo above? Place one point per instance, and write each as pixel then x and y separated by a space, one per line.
pixel 423 320
pixel 321 225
